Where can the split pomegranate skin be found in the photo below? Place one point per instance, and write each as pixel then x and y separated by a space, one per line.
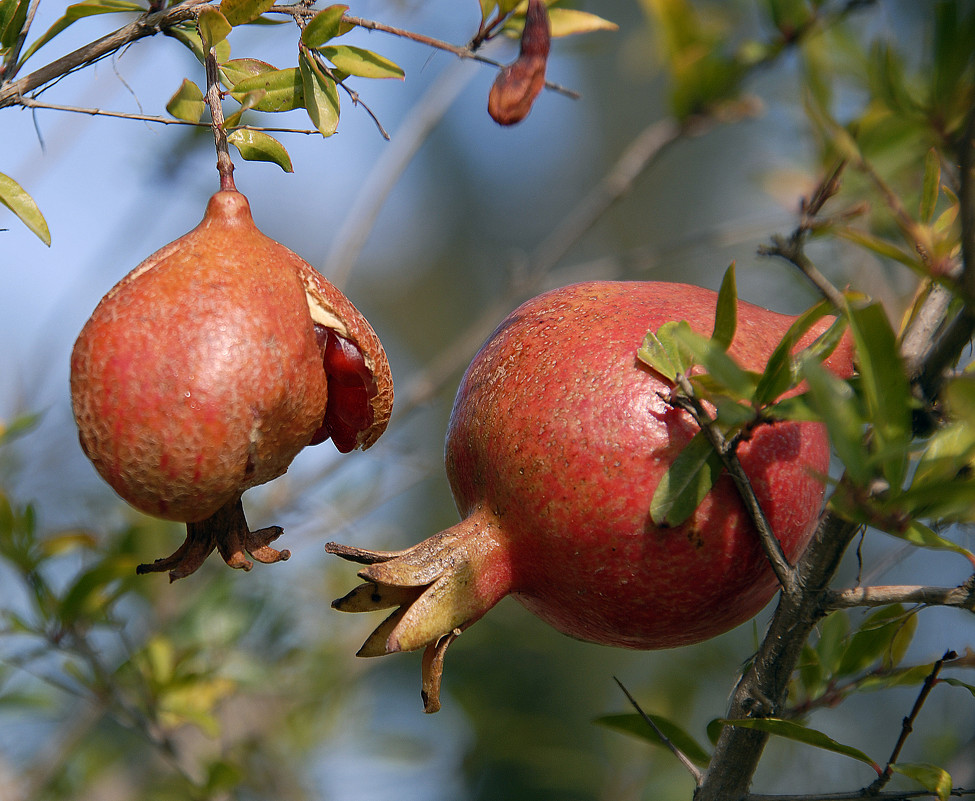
pixel 557 441
pixel 205 371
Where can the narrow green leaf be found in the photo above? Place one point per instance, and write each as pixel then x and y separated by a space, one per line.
pixel 635 725
pixel 726 312
pixel 686 482
pixel 13 196
pixel 881 247
pixel 13 15
pixel 20 425
pixel 214 27
pixel 321 96
pixel 187 103
pixel 283 90
pixel 931 187
pixel 325 25
pixel 92 592
pixel 189 36
pixel 782 370
pixel 259 146
pixel 364 63
pixel 241 12
pixel 791 730
pixel 919 534
pixel 956 683
pixel 930 777
pixel 832 640
pixel 721 367
pixel 834 401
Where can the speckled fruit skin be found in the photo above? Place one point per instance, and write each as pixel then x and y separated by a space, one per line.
pixel 195 379
pixel 558 439
pixel 565 435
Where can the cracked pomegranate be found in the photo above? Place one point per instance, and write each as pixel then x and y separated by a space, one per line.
pixel 557 440
pixel 206 370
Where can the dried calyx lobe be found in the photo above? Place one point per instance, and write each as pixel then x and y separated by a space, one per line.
pixel 519 84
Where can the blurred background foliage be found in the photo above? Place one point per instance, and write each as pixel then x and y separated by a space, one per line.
pixel 233 685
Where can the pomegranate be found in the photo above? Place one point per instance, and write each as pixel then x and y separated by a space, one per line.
pixel 557 440
pixel 205 371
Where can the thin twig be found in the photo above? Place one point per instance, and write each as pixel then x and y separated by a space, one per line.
pixel 688 400
pixel 962 596
pixel 908 724
pixel 225 164
pixel 860 795
pixel 668 743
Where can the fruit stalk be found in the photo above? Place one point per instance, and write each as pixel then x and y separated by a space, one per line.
pixel 225 165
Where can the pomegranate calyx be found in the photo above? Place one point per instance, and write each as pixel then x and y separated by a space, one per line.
pixel 438 588
pixel 227 532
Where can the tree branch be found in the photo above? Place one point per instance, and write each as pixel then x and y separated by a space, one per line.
pixel 962 596
pixel 11 92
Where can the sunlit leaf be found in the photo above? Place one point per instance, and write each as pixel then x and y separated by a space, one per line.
pixel 321 96
pixel 635 725
pixel 241 12
pixel 662 350
pixel 13 196
pixel 214 27
pixel 259 146
pixel 364 63
pixel 325 25
pixel 881 247
pixel 189 36
pixel 187 103
pixel 570 21
pixel 726 311
pixel 781 371
pixel 240 69
pixel 282 89
pixel 802 734
pixel 884 636
pixel 930 777
pixel 686 482
pixel 721 367
pixel 919 534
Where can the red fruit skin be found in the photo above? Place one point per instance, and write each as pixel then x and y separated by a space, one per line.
pixel 198 376
pixel 564 435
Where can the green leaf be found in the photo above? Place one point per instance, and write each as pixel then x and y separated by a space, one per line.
pixel 832 640
pixel 569 22
pixel 885 387
pixel 13 15
pixel 881 247
pixel 321 96
pixel 802 734
pixel 259 146
pixel 187 103
pixel 663 352
pixel 20 425
pixel 931 186
pixel 956 683
pixel 78 11
pixel 930 777
pixel 781 371
pixel 189 37
pixel 282 89
pixel 636 726
pixel 834 401
pixel 325 25
pixel 884 635
pixel 96 588
pixel 241 12
pixel 13 196
pixel 364 63
pixel 721 367
pixel 686 482
pixel 238 69
pixel 917 533
pixel 726 312
pixel 214 27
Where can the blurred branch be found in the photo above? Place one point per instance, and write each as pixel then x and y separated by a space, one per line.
pixel 860 795
pixel 962 596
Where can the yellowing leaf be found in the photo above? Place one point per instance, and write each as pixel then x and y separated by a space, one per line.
pixel 13 196
pixel 259 146
pixel 364 63
pixel 240 12
pixel 187 103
